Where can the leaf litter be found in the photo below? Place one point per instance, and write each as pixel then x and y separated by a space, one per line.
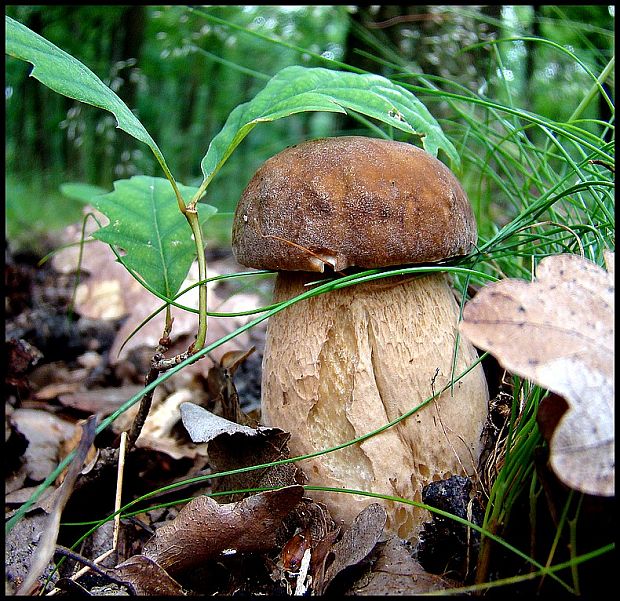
pixel 558 331
pixel 274 541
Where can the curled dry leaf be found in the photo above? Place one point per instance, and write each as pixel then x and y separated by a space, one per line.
pixel 355 545
pixel 222 387
pixel 147 578
pixel 558 331
pixel 203 529
pixel 232 445
pixel 45 433
pixel 204 426
pixel 158 432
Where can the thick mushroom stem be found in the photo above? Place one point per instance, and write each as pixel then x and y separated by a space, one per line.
pixel 342 364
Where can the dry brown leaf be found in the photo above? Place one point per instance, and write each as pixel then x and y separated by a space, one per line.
pixel 158 431
pixel 46 543
pixel 203 529
pixel 222 388
pixel 558 331
pixel 45 433
pixel 147 578
pixel 204 426
pixel 397 573
pixel 101 400
pixel 233 446
pixel 355 545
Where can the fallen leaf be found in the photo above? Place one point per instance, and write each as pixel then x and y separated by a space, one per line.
pixel 158 431
pixel 147 578
pixel 204 426
pixel 46 543
pixel 204 529
pixel 101 400
pixel 110 292
pixel 222 388
pixel 609 258
pixel 314 531
pixel 20 546
pixel 395 572
pixel 21 357
pixel 354 546
pixel 232 446
pixel 558 331
pixel 44 432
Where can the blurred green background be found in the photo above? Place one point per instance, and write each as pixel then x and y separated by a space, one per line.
pixel 184 69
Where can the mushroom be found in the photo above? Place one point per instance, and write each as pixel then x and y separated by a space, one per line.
pixel 342 364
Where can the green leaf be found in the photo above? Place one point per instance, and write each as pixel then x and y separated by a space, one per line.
pixel 66 75
pixel 84 193
pixel 146 224
pixel 299 89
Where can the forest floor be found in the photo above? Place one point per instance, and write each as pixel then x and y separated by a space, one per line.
pixel 63 368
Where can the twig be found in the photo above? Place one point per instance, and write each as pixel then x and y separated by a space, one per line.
pixel 158 364
pixel 88 565
pixel 603 164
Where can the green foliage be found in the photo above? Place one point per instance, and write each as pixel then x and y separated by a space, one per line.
pixel 146 223
pixel 64 74
pixel 34 209
pixel 146 234
pixel 298 89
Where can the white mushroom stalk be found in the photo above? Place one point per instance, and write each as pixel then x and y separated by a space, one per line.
pixel 342 364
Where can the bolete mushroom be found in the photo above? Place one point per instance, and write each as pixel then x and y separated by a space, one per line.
pixel 344 363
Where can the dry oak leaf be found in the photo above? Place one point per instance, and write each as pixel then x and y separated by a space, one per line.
pixel 203 529
pixel 558 332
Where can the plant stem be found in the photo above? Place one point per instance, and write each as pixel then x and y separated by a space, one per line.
pixel 191 215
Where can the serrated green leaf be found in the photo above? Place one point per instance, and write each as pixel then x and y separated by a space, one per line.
pixel 145 222
pixel 84 193
pixel 299 89
pixel 66 75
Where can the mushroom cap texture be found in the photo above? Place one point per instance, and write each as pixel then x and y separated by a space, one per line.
pixel 351 201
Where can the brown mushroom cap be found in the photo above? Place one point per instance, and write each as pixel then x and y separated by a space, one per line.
pixel 351 201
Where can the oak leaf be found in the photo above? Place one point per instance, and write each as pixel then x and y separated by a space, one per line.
pixel 558 331
pixel 204 529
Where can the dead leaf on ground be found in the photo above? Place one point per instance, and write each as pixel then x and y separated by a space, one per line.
pixel 147 578
pixel 21 357
pixel 232 446
pixel 354 546
pixel 46 543
pixel 204 529
pixel 19 548
pixel 45 433
pixel 396 573
pixel 158 431
pixel 558 331
pixel 204 426
pixel 101 400
pixel 222 389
